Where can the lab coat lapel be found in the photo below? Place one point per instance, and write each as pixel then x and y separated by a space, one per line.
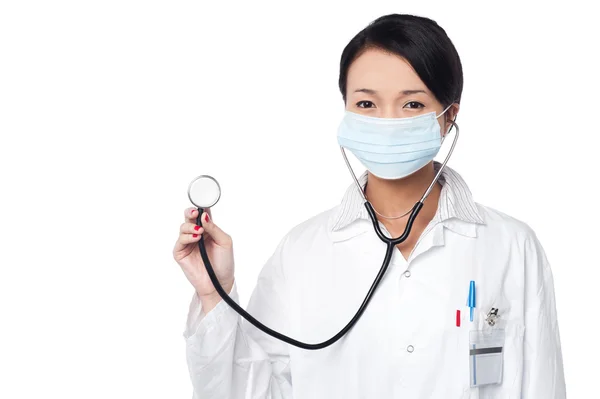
pixel 434 237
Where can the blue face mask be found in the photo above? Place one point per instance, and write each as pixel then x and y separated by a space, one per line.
pixel 391 148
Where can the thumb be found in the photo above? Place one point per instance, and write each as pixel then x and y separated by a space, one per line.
pixel 220 238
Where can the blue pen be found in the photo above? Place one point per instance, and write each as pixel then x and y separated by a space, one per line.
pixel 472 297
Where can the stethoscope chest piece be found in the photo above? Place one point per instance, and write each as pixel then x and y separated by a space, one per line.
pixel 204 191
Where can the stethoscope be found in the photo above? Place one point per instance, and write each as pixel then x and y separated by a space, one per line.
pixel 204 192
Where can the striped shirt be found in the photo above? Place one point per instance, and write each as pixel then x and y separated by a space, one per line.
pixel 455 201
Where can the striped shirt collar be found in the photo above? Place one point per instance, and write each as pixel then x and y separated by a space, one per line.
pixel 455 201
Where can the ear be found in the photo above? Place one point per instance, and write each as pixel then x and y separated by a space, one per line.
pixel 450 115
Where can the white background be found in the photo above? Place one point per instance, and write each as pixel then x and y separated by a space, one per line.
pixel 108 110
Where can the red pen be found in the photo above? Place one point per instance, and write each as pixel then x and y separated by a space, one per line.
pixel 457 318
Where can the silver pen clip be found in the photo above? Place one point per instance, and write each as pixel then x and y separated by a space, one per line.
pixel 492 316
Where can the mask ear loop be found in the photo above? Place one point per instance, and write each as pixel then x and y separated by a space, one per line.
pixel 444 111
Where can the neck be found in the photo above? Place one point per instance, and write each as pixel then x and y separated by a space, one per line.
pixel 396 197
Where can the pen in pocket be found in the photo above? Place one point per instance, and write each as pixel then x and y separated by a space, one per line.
pixel 472 298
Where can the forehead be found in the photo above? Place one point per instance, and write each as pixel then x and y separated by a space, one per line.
pixel 382 71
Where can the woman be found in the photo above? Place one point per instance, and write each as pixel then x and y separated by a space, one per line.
pixel 416 338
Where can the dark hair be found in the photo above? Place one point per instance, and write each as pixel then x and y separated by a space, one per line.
pixel 421 42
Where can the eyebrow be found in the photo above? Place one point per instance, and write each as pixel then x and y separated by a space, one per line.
pixel 404 92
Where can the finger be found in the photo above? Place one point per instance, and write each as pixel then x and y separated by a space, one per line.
pixel 191 214
pixel 209 211
pixel 219 236
pixel 186 239
pixel 190 228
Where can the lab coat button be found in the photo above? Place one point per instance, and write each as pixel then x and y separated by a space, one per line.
pixel 410 348
pixel 407 273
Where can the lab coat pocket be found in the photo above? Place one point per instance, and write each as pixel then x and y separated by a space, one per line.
pixel 486 357
pixel 512 363
pixel 454 363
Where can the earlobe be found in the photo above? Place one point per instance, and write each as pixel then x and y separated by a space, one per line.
pixel 447 129
pixel 447 126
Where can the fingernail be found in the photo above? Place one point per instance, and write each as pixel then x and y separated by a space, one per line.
pixel 195 235
pixel 206 218
pixel 196 227
pixel 193 211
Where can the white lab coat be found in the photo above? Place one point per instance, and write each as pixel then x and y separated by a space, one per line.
pixel 407 343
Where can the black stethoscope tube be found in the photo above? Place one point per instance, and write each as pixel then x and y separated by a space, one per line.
pixel 391 243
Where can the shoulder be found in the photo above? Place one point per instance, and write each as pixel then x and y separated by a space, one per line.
pixel 313 228
pixel 516 236
pixel 502 224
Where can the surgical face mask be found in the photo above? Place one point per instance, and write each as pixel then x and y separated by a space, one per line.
pixel 391 148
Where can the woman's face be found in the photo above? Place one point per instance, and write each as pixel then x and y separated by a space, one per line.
pixel 384 85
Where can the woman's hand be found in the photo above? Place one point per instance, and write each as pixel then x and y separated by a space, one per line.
pixel 219 248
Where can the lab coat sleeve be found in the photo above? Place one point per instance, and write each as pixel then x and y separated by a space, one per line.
pixel 543 374
pixel 229 358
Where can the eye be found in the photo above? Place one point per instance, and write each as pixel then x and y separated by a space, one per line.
pixel 364 102
pixel 414 104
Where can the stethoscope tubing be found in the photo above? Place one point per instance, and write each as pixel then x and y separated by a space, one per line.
pixel 386 262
